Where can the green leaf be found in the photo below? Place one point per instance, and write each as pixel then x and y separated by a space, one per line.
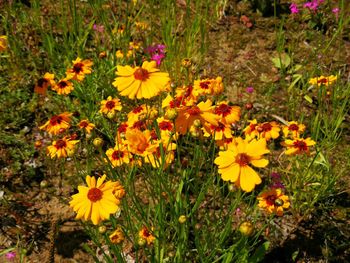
pixel 308 99
pixel 282 61
pixel 260 253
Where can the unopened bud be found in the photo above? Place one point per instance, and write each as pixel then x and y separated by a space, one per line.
pixel 246 228
pixel 97 142
pixel 182 219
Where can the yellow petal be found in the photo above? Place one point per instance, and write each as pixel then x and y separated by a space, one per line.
pixel 248 179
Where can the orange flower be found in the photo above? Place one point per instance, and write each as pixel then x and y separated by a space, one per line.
pixel 85 124
pixel 273 201
pixel 219 132
pixel 140 143
pixel 62 148
pixel 110 105
pixel 118 155
pixel 79 69
pixel 43 83
pixel 145 234
pixel 63 87
pixel 57 124
pixel 298 146
pixel 228 114
pixel 294 129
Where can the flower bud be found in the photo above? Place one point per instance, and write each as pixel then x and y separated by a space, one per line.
pixel 97 142
pixel 111 115
pixel 171 114
pixel 141 242
pixel 102 229
pixel 182 219
pixel 246 228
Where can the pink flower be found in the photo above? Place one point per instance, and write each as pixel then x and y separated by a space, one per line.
pixel 249 90
pixel 294 8
pixel 10 255
pixel 335 10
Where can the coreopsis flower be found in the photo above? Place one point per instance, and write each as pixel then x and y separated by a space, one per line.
pixel 234 163
pixel 63 87
pixel 86 125
pixel 298 146
pixel 208 86
pixel 165 126
pixel 219 132
pixel 111 105
pixel 294 129
pixel 138 113
pixel 43 83
pixel 96 201
pixel 203 112
pixel 186 95
pixel 141 143
pixel 62 148
pixel 228 114
pixel 118 190
pixel 118 155
pixel 250 131
pixel 57 124
pixel 322 80
pixel 80 69
pixel 268 130
pixel 3 43
pixel 156 158
pixel 141 82
pixel 117 236
pixel 273 201
pixel 145 234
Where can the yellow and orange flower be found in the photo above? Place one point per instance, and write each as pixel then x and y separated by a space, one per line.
pixel 267 130
pixel 63 87
pixel 274 201
pixel 298 146
pixel 118 155
pixel 141 82
pixel 95 202
pixel 168 150
pixel 208 86
pixel 62 148
pixel 234 163
pixel 145 234
pixel 219 132
pixel 110 105
pixel 228 114
pixel 203 112
pixel 43 83
pixel 141 143
pixel 322 80
pixel 57 124
pixel 117 236
pixel 3 43
pixel 79 70
pixel 86 125
pixel 293 129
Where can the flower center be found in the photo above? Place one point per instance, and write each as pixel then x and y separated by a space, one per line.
pixel 110 104
pixel 117 155
pixel 188 91
pixel 266 127
pixel 139 125
pixel 301 145
pixel 137 109
pixel 323 81
pixel 223 110
pixel 84 124
pixel 42 82
pixel 220 127
pixel 55 120
pixel 94 194
pixel 141 74
pixel 194 110
pixel 242 159
pixel 122 128
pixel 270 200
pixel 78 67
pixel 204 84
pixel 60 144
pixel 62 84
pixel 293 127
pixel 165 125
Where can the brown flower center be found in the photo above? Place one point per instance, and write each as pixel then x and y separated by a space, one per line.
pixel 204 84
pixel 62 84
pixel 188 91
pixel 95 194
pixel 323 81
pixel 141 74
pixel 60 144
pixel 223 109
pixel 165 125
pixel 78 67
pixel 42 82
pixel 137 109
pixel 270 200
pixel 266 127
pixel 117 155
pixel 242 159
pixel 110 104
pixel 55 120
pixel 194 110
pixel 301 145
pixel 84 124
pixel 293 127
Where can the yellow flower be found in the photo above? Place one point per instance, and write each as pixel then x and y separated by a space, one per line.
pixel 79 69
pixel 63 87
pixel 220 131
pixel 62 148
pixel 273 201
pixel 298 146
pixel 117 236
pixel 110 105
pixel 85 124
pixel 96 201
pixel 146 235
pixel 228 114
pixel 118 155
pixel 141 82
pixel 234 162
pixel 43 83
pixel 267 130
pixel 141 143
pixel 3 43
pixel 119 54
pixel 322 80
pixel 57 124
pixel 208 86
pixel 294 129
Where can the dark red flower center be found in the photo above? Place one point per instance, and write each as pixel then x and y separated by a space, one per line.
pixel 220 127
pixel 223 109
pixel 110 104
pixel 270 200
pixel 165 125
pixel 60 144
pixel 137 109
pixel 42 82
pixel 78 67
pixel 145 232
pixel 323 81
pixel 175 103
pixel 141 74
pixel 55 120
pixel 194 110
pixel 188 91
pixel 293 127
pixel 301 145
pixel 266 127
pixel 139 125
pixel 84 124
pixel 94 194
pixel 242 159
pixel 122 128
pixel 204 84
pixel 62 84
pixel 116 155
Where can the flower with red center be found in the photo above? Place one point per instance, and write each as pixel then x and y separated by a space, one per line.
pixel 95 202
pixel 111 105
pixel 298 146
pixel 140 142
pixel 86 125
pixel 228 114
pixel 57 124
pixel 273 201
pixel 3 43
pixel 219 132
pixel 234 163
pixel 156 159
pixel 43 83
pixel 294 129
pixel 203 112
pixel 322 80
pixel 268 130
pixel 62 148
pixel 80 69
pixel 117 236
pixel 118 155
pixel 145 234
pixel 208 86
pixel 141 82
pixel 63 87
